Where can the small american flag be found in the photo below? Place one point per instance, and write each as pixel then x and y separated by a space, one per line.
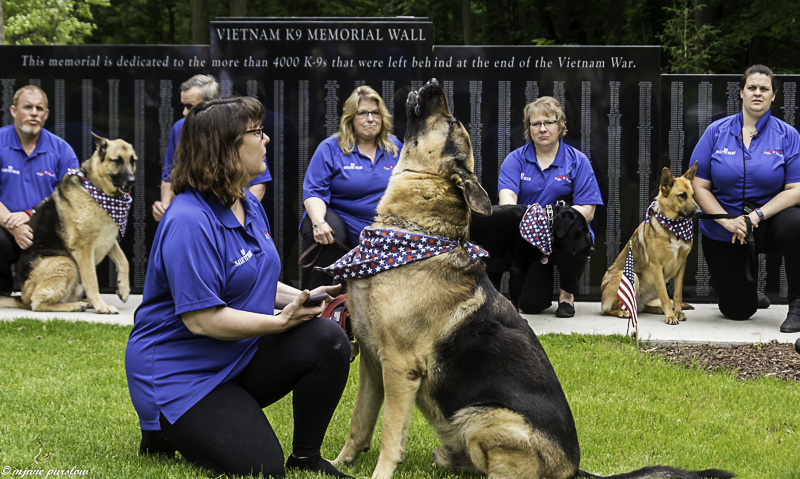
pixel 627 289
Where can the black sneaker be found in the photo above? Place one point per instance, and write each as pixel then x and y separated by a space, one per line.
pixel 565 310
pixel 314 464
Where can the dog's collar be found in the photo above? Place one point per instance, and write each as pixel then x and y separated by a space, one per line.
pixel 535 227
pixel 382 249
pixel 117 208
pixel 405 224
pixel 681 227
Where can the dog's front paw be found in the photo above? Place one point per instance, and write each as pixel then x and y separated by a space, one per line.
pixel 105 309
pixel 680 315
pixel 123 291
pixel 671 319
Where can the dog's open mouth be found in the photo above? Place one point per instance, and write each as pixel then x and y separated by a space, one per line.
pixel 417 100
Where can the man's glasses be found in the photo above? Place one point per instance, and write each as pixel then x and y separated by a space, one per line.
pixel 364 114
pixel 258 131
pixel 547 124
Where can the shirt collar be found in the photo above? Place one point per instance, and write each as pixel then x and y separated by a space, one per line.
pixel 760 124
pixel 42 146
pixel 558 162
pixel 225 214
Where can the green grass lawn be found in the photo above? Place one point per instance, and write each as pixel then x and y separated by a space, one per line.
pixel 63 392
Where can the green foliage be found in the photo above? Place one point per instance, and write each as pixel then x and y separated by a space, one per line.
pixel 65 404
pixel 688 46
pixel 49 21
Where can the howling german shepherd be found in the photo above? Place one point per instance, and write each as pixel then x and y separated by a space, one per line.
pixel 435 332
pixel 72 233
pixel 658 253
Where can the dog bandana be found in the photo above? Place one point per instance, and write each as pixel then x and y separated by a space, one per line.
pixel 682 227
pixel 535 228
pixel 117 208
pixel 379 250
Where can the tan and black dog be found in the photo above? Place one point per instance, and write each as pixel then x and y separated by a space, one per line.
pixel 435 332
pixel 658 254
pixel 72 233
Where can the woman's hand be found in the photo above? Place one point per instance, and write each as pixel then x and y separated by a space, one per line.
pixel 329 290
pixel 295 314
pixel 323 233
pixel 738 227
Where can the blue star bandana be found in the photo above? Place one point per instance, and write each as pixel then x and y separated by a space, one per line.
pixel 682 227
pixel 535 228
pixel 117 208
pixel 379 250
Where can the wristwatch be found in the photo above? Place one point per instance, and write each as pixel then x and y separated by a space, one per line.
pixel 760 214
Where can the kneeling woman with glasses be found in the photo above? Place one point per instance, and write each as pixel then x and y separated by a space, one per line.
pixel 207 351
pixel 542 171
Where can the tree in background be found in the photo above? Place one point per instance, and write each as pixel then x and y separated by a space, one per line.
pixel 49 21
pixel 688 43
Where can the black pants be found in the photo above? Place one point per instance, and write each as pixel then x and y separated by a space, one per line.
pixel 537 289
pixel 727 262
pixel 329 253
pixel 227 431
pixel 9 254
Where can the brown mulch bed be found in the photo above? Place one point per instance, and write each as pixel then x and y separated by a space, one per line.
pixel 748 360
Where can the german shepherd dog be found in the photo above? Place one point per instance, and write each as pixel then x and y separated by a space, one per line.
pixel 499 234
pixel 658 254
pixel 72 233
pixel 435 332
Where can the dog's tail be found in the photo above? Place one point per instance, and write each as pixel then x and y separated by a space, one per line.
pixel 664 472
pixel 9 302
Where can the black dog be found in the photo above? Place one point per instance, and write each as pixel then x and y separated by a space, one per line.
pixel 499 235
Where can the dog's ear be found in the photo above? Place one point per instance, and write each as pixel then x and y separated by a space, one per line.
pixel 667 180
pixel 563 220
pixel 689 175
pixel 474 194
pixel 101 144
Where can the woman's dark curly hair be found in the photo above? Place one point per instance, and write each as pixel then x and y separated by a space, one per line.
pixel 208 154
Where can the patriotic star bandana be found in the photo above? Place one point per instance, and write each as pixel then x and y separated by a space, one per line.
pixel 682 227
pixel 379 250
pixel 535 228
pixel 117 208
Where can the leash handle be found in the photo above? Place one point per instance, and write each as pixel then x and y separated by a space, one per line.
pixel 318 247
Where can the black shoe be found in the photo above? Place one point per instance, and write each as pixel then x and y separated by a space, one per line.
pixel 6 292
pixel 314 464
pixel 792 322
pixel 153 443
pixel 565 310
pixel 797 346
pixel 763 301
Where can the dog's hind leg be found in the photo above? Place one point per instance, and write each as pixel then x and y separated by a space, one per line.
pixel 121 262
pixel 54 279
pixel 402 376
pixel 369 399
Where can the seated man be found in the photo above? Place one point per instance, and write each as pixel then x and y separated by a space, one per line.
pixel 32 162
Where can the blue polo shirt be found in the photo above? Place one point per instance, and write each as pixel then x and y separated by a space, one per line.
pixel 27 180
pixel 771 162
pixel 569 174
pixel 351 185
pixel 201 257
pixel 172 148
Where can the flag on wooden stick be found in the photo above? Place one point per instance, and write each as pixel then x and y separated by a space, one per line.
pixel 627 289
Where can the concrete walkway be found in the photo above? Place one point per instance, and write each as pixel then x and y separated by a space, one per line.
pixel 704 324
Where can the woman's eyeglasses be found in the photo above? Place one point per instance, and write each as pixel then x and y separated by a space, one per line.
pixel 364 114
pixel 547 124
pixel 258 131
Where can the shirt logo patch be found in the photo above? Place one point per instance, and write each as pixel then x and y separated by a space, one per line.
pixel 524 178
pixel 388 167
pixel 9 169
pixel 266 233
pixel 725 151
pixel 773 152
pixel 562 178
pixel 245 257
pixel 46 172
pixel 353 166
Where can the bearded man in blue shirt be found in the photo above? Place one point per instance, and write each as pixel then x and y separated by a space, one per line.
pixel 32 162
